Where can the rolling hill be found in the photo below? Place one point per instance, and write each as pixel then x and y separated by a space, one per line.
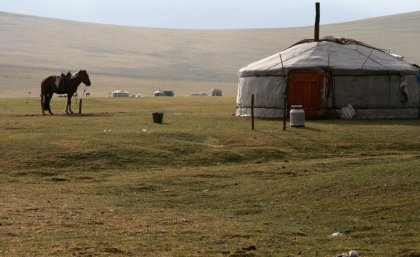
pixel 142 60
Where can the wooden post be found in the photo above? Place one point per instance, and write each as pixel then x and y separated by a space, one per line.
pixel 284 111
pixel 252 111
pixel 284 94
pixel 317 18
pixel 80 106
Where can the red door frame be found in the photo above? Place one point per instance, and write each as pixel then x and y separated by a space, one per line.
pixel 306 88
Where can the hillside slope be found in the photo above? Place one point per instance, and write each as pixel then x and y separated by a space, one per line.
pixel 146 59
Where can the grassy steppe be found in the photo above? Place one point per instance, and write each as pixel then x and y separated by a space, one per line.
pixel 143 60
pixel 110 182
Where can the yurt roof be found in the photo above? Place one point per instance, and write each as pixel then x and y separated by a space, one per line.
pixel 119 91
pixel 339 54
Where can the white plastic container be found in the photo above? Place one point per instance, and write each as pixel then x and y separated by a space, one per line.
pixel 297 116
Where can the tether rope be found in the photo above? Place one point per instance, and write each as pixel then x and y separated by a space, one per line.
pixel 77 94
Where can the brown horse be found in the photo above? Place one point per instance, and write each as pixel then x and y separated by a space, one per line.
pixel 48 88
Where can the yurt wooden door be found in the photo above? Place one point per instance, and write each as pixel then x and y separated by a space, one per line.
pixel 306 88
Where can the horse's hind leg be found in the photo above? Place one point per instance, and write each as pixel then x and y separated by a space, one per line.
pixel 48 98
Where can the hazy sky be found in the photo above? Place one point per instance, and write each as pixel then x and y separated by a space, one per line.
pixel 209 13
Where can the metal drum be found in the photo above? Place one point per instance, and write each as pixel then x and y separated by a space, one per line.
pixel 297 116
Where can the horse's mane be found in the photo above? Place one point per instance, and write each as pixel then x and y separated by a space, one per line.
pixel 73 75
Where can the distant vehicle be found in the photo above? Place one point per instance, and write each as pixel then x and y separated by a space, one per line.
pixel 164 93
pixel 216 92
pixel 199 94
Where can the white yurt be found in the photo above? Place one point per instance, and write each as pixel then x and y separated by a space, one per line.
pixel 327 76
pixel 120 93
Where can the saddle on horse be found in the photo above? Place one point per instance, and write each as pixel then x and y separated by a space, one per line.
pixel 62 81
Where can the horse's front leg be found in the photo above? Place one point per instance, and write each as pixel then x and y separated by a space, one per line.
pixel 43 103
pixel 68 106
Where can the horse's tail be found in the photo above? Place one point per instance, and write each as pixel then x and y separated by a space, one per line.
pixel 44 98
pixel 44 102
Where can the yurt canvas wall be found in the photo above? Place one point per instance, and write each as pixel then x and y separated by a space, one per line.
pixel 327 76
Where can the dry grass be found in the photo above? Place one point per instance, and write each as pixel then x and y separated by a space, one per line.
pixel 202 183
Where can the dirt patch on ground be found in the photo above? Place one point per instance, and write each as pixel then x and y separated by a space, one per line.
pixel 70 144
